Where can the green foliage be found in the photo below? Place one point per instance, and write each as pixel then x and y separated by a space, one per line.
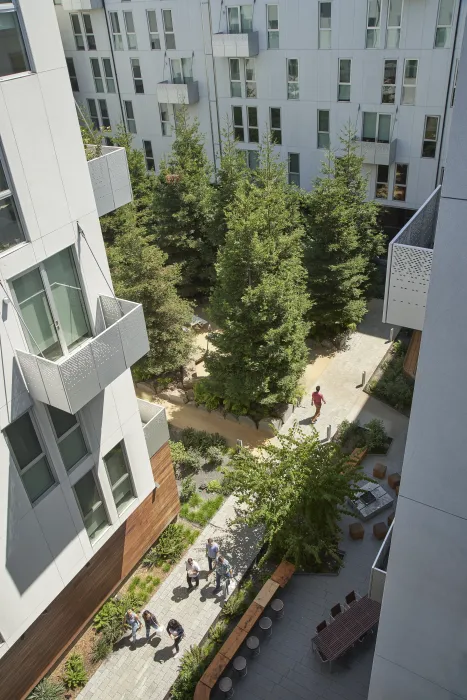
pixel 199 511
pixel 218 631
pixel 113 630
pixel 193 664
pixel 170 545
pixel 214 486
pixel 75 673
pixel 166 567
pixel 259 299
pixel 184 206
pixel 297 489
pixel 204 395
pixel 193 460
pixel 143 587
pixel 113 611
pixel 101 648
pixel 188 489
pixel 202 441
pixel 376 436
pixel 215 455
pixel 393 386
pixel 47 689
pixel 350 435
pixel 237 604
pixel 177 452
pixel 140 274
pixel 342 238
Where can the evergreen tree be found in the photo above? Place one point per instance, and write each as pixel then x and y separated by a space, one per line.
pixel 342 239
pixel 184 205
pixel 259 300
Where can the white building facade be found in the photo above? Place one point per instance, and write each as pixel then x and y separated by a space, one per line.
pixel 303 68
pixel 74 461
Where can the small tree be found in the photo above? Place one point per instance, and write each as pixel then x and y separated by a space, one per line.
pixel 184 206
pixel 342 239
pixel 297 489
pixel 259 300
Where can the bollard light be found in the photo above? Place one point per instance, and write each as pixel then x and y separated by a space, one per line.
pixel 328 433
pixel 363 378
pixel 391 335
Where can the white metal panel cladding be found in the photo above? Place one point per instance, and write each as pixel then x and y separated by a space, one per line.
pixel 134 336
pixel 51 377
pixel 235 45
pixel 156 430
pixel 29 365
pixel 408 285
pixel 110 179
pixel 177 93
pixel 80 378
pixel 108 355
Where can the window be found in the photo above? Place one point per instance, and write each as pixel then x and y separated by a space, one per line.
pixel 323 128
pixel 97 75
pixel 250 78
pixel 430 137
pixel 382 179
pixel 376 127
pixel 130 31
pixel 444 24
pixel 116 33
pixel 13 57
pixel 130 117
pixel 72 73
pixel 240 19
pixel 77 31
pixel 119 477
pixel 169 35
pixel 10 229
pixel 105 119
pixel 52 306
pixel 393 31
pixel 252 121
pixel 343 91
pixel 91 506
pixel 93 113
pixel 148 154
pixel 137 77
pixel 324 38
pixel 373 24
pixel 294 169
pixel 237 117
pixel 252 159
pixel 275 121
pixel 293 88
pixel 90 40
pixel 388 92
pixel 69 437
pixel 400 182
pixel 29 456
pixel 235 82
pixel 409 86
pixel 109 76
pixel 154 39
pixel 166 126
pixel 272 13
pixel 454 83
pixel 182 70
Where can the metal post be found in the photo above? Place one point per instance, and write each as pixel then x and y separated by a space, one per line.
pixel 239 444
pixel 391 335
pixel 328 433
pixel 363 378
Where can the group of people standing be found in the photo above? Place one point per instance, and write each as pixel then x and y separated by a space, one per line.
pixel 223 571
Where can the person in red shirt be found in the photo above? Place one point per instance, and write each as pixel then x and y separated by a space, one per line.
pixel 317 400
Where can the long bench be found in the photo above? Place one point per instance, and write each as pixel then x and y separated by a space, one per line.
pixel 228 650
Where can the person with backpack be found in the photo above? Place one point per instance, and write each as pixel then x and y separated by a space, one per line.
pixel 176 631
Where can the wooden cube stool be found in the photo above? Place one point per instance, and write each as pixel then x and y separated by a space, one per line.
pixel 390 519
pixel 380 530
pixel 379 470
pixel 394 480
pixel 356 531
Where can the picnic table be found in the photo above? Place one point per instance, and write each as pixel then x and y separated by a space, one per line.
pixel 347 628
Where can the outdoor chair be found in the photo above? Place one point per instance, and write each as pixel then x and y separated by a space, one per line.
pixel 352 597
pixel 322 625
pixel 336 610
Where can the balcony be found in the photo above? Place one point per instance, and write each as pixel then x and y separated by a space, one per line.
pixel 379 569
pixel 376 153
pixel 110 178
pixel 410 256
pixel 76 5
pixel 235 45
pixel 75 379
pixel 177 93
pixel 156 430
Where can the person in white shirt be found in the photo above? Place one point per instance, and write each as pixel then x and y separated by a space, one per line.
pixel 192 573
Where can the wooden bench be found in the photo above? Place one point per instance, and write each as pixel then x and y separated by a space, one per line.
pixel 357 456
pixel 232 644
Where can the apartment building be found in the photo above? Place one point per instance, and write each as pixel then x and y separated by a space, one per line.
pixel 302 68
pixel 86 481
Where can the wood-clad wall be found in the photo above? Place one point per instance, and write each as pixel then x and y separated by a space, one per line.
pixel 53 632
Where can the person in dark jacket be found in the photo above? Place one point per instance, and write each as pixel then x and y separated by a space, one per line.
pixel 176 631
pixel 150 620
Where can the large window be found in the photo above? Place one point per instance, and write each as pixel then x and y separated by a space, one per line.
pixel 324 39
pixel 149 156
pixel 154 38
pixel 29 456
pixel 119 477
pixel 276 126
pixel 323 128
pixel 52 306
pixel 69 437
pixel 293 87
pixel 430 137
pixel 409 86
pixel 100 119
pixel 272 19
pixel 116 31
pixel 388 92
pixel 237 118
pixel 130 31
pixel 10 229
pixel 240 19
pixel 130 117
pixel 252 122
pixel 78 32
pixel 382 181
pixel 343 91
pixel 182 70
pixel 13 58
pixel 91 506
pixel 104 114
pixel 235 81
pixel 109 76
pixel 88 30
pixel 137 77
pixel 166 125
pixel 400 182
pixel 294 169
pixel 97 75
pixel 376 127
pixel 72 73
pixel 169 34
pixel 393 31
pixel 444 23
pixel 250 78
pixel 373 24
pixel 92 108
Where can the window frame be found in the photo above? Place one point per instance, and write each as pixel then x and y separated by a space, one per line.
pixel 72 75
pixel 237 126
pixel 382 183
pixel 238 81
pixel 394 26
pixel 405 86
pixel 138 83
pixel 375 28
pixel 130 119
pixel 104 118
pixel 324 31
pixel 93 113
pixel 149 157
pixel 88 33
pixel 402 186
pixel 117 37
pixel 166 124
pixel 276 140
pixel 153 34
pixel 435 140
pixel 290 82
pixel 9 7
pixel 130 34
pixel 392 85
pixel 272 31
pixel 250 128
pixel 377 125
pixel 98 79
pixel 58 440
pixel 128 474
pixel 106 61
pixel 447 43
pixel 76 34
pixel 183 62
pixel 291 174
pixel 5 194
pixel 168 33
pixel 341 83
pixel 251 93
pixel 100 503
pixel 319 131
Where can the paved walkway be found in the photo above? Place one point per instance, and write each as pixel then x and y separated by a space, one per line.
pixel 149 670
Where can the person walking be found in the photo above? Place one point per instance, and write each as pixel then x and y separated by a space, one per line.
pixel 176 631
pixel 223 573
pixel 150 620
pixel 212 550
pixel 132 621
pixel 317 399
pixel 192 573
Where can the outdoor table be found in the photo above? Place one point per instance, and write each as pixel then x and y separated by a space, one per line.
pixel 347 628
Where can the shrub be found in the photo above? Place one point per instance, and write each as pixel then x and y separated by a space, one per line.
pixel 47 689
pixel 204 395
pixel 192 666
pixel 215 455
pixel 201 440
pixel 214 486
pixel 166 567
pixel 217 633
pixel 193 460
pixel 113 631
pixel 170 545
pixel 75 673
pixel 113 611
pixel 350 435
pixel 237 604
pixel 188 489
pixel 177 452
pixel 101 648
pixel 199 511
pixel 376 438
pixel 393 386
